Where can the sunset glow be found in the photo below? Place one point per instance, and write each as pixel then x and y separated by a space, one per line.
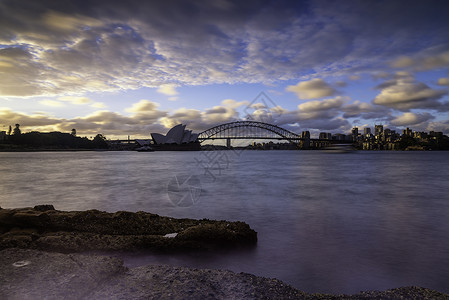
pixel 133 67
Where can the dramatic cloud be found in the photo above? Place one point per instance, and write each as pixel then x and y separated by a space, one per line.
pixel 405 94
pixel 167 89
pixel 202 120
pixel 365 110
pixel 231 103
pixel 70 52
pixel 146 112
pixel 72 100
pixel 76 100
pixel 183 116
pixel 423 61
pixel 315 116
pixel 438 126
pixel 408 119
pixel 143 106
pixel 443 81
pixel 313 89
pixel 59 47
pixel 35 120
pixel 144 118
pixel 333 125
pixel 324 105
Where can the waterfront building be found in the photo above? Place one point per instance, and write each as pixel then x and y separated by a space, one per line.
pixel 407 131
pixel 339 137
pixel 420 136
pixel 366 131
pixel 434 134
pixel 355 133
pixel 177 135
pixel 378 130
pixel 325 136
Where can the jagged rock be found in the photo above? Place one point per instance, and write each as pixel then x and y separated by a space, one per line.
pixel 43 227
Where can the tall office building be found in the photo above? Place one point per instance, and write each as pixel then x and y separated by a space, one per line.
pixel 407 131
pixel 325 136
pixel 366 131
pixel 355 133
pixel 378 130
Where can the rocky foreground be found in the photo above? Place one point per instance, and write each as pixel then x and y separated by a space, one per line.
pixel 29 271
pixel 33 274
pixel 45 228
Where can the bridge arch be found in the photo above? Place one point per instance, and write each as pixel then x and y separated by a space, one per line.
pixel 238 129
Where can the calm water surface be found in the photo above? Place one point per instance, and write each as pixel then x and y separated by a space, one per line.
pixel 326 222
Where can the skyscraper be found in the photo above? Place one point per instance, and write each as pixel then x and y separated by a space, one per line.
pixel 378 130
pixel 366 131
pixel 355 133
pixel 407 131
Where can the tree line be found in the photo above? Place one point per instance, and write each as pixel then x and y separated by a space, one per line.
pixel 52 140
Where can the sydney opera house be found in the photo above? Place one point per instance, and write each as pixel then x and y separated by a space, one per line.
pixel 177 138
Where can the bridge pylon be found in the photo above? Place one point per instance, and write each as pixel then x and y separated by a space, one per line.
pixel 228 143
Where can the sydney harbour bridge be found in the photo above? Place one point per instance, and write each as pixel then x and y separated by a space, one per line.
pixel 255 130
pixel 250 130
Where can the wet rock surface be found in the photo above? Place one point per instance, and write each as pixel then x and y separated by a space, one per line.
pixel 45 228
pixel 33 274
pixel 27 272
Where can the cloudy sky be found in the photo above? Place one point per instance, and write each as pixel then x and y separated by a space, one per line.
pixel 133 67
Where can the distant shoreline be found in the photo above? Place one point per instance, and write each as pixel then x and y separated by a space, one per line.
pixel 209 149
pixel 51 150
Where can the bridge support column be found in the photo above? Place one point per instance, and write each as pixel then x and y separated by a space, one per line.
pixel 228 143
pixel 304 144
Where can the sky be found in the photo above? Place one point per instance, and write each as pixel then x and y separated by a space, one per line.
pixel 134 67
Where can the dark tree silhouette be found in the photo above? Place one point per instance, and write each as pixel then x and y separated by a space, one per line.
pixel 17 130
pixel 99 142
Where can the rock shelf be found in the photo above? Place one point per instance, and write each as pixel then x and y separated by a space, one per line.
pixel 32 269
pixel 33 274
pixel 45 228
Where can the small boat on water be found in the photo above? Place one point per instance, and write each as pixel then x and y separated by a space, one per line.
pixel 145 149
pixel 339 148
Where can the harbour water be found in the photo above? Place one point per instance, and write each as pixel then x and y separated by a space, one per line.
pixel 326 222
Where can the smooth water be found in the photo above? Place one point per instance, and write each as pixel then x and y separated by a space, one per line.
pixel 326 222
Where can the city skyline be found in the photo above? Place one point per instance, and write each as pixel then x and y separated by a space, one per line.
pixel 131 68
